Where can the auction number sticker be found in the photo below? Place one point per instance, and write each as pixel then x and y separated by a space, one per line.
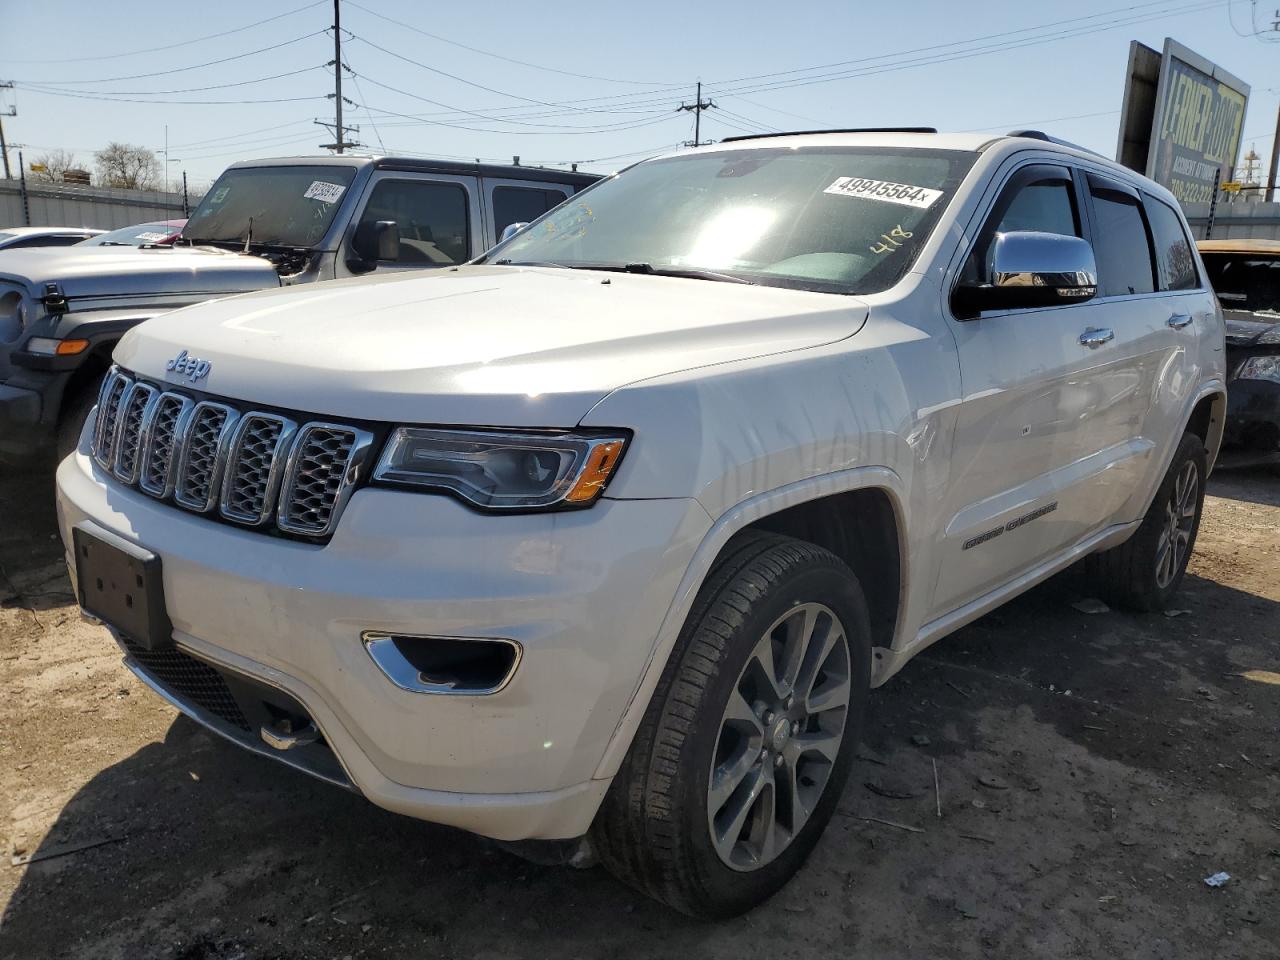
pixel 323 191
pixel 886 190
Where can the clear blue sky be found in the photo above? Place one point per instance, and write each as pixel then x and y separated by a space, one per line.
pixel 911 64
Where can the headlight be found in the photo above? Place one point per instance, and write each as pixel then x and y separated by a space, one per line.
pixel 503 471
pixel 1260 368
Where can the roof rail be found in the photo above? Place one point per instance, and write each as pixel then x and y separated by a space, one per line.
pixel 806 133
pixel 1041 135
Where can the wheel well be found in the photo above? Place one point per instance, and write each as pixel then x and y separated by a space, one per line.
pixel 1206 417
pixel 83 377
pixel 861 528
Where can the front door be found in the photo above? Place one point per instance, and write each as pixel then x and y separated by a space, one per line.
pixel 437 219
pixel 1047 412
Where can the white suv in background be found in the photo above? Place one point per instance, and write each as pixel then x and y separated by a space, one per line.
pixel 609 534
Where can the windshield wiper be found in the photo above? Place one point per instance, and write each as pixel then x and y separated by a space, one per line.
pixel 508 262
pixel 650 270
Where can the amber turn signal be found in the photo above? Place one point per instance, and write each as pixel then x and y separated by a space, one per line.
pixel 595 473
pixel 69 348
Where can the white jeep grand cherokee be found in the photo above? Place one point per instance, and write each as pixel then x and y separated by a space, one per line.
pixel 609 534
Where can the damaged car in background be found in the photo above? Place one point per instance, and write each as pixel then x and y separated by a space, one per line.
pixel 1245 274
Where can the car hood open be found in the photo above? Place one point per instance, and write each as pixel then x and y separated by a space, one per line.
pixel 483 345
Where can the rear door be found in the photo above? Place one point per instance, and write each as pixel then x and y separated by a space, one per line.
pixel 518 201
pixel 437 217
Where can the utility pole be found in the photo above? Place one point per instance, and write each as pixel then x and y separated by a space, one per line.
pixel 696 109
pixel 340 141
pixel 4 147
pixel 337 75
pixel 1275 156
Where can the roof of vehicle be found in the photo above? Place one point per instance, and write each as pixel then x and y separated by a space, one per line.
pixel 46 231
pixel 420 165
pixel 1239 245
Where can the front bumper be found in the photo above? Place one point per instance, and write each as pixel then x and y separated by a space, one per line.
pixel 582 592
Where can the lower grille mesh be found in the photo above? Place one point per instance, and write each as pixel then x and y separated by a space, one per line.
pixel 190 680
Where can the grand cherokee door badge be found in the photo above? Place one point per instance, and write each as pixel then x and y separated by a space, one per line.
pixel 1011 525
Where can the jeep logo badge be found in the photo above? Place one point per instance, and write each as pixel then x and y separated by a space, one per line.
pixel 190 367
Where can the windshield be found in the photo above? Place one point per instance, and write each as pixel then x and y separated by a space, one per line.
pixel 134 236
pixel 1245 281
pixel 836 219
pixel 290 206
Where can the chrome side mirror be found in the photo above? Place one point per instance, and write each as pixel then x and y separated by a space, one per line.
pixel 510 230
pixel 1027 269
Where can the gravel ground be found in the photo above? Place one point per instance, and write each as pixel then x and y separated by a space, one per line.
pixel 1092 771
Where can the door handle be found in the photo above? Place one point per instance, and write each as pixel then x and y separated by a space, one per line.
pixel 1179 320
pixel 1095 338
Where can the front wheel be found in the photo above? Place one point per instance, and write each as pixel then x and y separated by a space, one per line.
pixel 1144 572
pixel 747 742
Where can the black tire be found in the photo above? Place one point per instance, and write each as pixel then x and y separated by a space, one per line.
pixel 653 831
pixel 75 410
pixel 1127 575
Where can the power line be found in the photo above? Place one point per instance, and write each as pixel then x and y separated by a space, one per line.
pixel 496 56
pixel 237 136
pixel 40 88
pixel 180 43
pixel 207 103
pixel 621 125
pixel 165 73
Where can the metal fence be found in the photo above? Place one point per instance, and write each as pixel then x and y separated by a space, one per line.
pixel 68 205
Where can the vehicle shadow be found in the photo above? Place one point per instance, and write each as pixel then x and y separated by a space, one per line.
pixel 204 852
pixel 1253 484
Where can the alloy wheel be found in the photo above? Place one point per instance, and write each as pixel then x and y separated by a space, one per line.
pixel 1179 521
pixel 779 737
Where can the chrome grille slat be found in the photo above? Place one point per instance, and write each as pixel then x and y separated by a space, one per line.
pixel 254 466
pixel 203 455
pixel 135 410
pixel 160 441
pixel 114 388
pixel 322 469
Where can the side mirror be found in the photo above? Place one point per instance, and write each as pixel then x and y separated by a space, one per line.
pixel 510 230
pixel 1029 269
pixel 376 240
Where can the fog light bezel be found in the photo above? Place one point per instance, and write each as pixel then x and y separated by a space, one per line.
pixel 402 673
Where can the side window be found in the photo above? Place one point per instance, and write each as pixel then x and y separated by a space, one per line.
pixel 1120 243
pixel 1175 264
pixel 431 218
pixel 1039 199
pixel 520 205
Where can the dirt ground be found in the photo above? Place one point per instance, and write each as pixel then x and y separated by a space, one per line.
pixel 1092 770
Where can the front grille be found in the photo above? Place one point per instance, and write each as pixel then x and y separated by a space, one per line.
pixel 316 476
pixel 190 680
pixel 132 412
pixel 160 443
pixel 104 431
pixel 253 465
pixel 203 450
pixel 257 454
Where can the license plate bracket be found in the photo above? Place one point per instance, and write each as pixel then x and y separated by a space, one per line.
pixel 121 585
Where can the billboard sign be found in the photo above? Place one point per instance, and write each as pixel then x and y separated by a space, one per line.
pixel 1192 126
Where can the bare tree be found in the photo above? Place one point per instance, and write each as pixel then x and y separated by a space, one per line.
pixel 127 165
pixel 56 163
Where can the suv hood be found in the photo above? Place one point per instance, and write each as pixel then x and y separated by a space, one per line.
pixel 483 345
pixel 1245 330
pixel 126 273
